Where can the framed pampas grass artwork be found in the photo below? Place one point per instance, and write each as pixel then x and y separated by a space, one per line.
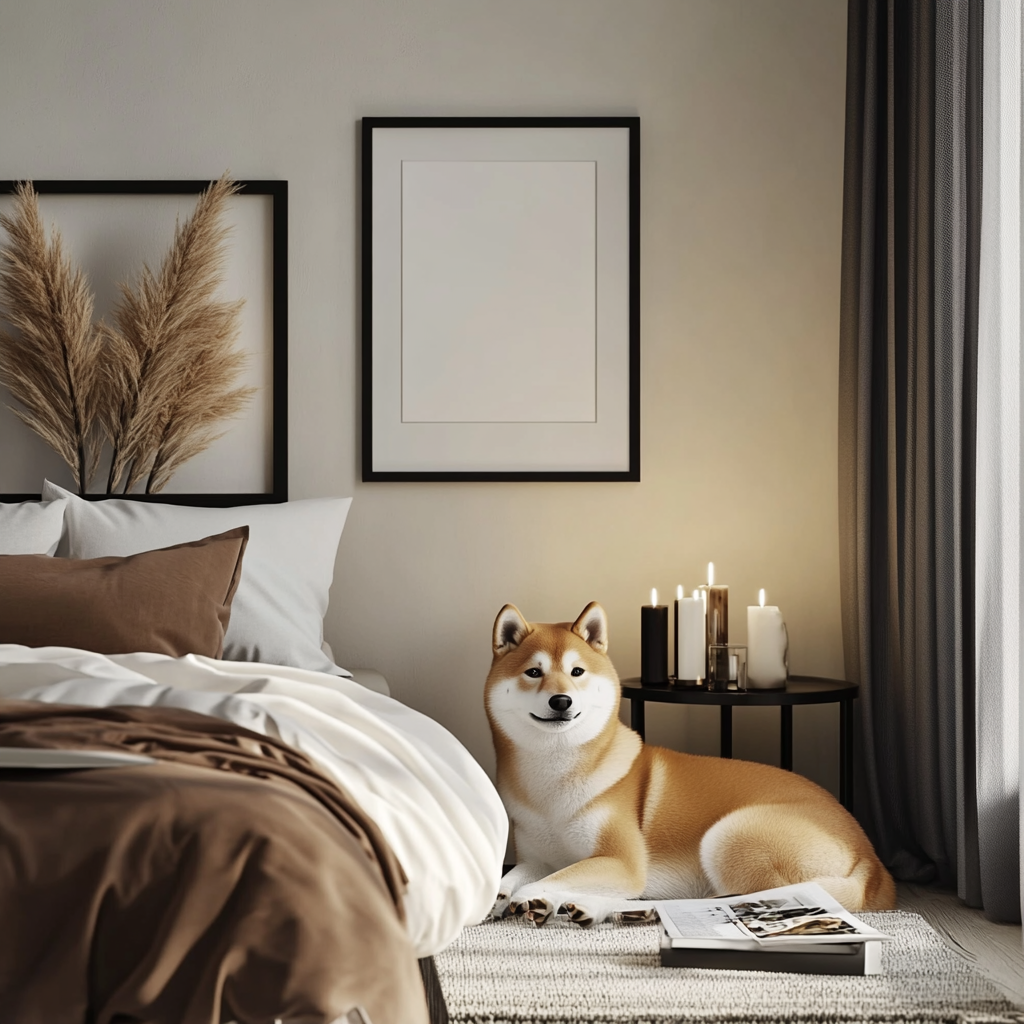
pixel 143 339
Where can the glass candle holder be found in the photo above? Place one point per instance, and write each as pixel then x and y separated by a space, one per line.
pixel 727 667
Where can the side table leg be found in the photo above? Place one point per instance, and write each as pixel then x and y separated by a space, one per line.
pixel 787 736
pixel 636 717
pixel 725 749
pixel 846 754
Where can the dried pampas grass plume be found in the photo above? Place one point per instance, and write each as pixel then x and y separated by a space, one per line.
pixel 171 364
pixel 49 362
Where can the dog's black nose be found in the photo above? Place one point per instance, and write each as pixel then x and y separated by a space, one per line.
pixel 560 702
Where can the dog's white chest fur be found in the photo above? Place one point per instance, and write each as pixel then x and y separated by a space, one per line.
pixel 561 824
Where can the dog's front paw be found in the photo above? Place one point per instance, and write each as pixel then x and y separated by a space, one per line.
pixel 587 911
pixel 538 911
pixel 501 905
pixel 581 915
pixel 635 916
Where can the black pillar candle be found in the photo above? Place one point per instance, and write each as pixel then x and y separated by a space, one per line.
pixel 654 643
pixel 675 635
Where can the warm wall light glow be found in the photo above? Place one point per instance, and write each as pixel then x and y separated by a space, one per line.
pixel 760 596
pixel 654 598
pixel 679 592
pixel 711 573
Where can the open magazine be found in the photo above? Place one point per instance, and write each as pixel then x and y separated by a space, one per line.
pixel 800 917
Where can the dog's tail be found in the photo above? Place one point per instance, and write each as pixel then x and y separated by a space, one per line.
pixel 867 887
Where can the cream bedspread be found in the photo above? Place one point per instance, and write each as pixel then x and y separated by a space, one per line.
pixel 434 804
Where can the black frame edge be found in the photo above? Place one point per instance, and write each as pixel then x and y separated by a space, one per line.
pixel 366 313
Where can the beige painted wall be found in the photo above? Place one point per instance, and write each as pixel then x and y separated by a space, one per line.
pixel 742 135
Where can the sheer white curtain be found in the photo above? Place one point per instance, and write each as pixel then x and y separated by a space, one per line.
pixel 998 574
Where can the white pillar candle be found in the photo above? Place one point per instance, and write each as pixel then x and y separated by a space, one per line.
pixel 767 647
pixel 689 636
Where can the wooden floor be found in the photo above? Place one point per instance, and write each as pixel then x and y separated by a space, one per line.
pixel 995 948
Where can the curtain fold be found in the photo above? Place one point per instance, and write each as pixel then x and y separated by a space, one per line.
pixel 905 355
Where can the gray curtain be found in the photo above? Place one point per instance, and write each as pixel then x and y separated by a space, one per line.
pixel 908 365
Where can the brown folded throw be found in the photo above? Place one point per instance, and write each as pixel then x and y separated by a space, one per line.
pixel 231 881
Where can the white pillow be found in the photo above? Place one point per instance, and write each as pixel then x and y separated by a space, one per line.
pixel 277 615
pixel 31 527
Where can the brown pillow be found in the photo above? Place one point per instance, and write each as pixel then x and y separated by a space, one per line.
pixel 173 601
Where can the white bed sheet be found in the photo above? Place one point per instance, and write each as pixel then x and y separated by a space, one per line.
pixel 433 802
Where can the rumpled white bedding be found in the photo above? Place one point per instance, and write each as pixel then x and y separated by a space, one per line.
pixel 433 802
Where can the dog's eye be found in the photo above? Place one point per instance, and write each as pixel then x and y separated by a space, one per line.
pixel 577 671
pixel 533 673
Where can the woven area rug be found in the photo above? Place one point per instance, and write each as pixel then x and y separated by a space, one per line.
pixel 508 972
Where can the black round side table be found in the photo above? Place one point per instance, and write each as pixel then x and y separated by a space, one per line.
pixel 798 690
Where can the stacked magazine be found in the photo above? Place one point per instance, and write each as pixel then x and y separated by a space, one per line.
pixel 798 928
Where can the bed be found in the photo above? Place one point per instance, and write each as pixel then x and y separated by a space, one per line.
pixel 283 842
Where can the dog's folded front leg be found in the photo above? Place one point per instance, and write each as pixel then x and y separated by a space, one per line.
pixel 515 878
pixel 590 890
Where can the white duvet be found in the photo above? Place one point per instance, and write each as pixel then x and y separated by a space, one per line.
pixel 433 802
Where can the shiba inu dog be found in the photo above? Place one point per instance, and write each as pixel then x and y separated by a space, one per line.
pixel 599 817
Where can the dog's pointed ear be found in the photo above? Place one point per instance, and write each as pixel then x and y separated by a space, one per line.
pixel 592 626
pixel 510 630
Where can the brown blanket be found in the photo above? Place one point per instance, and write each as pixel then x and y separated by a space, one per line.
pixel 230 882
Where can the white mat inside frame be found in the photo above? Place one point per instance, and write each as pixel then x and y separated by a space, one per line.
pixel 508 972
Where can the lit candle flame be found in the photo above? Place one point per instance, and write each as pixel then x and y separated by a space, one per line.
pixel 679 592
pixel 711 573
pixel 760 596
pixel 654 598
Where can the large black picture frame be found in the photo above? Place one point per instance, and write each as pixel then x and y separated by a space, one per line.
pixel 381 198
pixel 278 257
